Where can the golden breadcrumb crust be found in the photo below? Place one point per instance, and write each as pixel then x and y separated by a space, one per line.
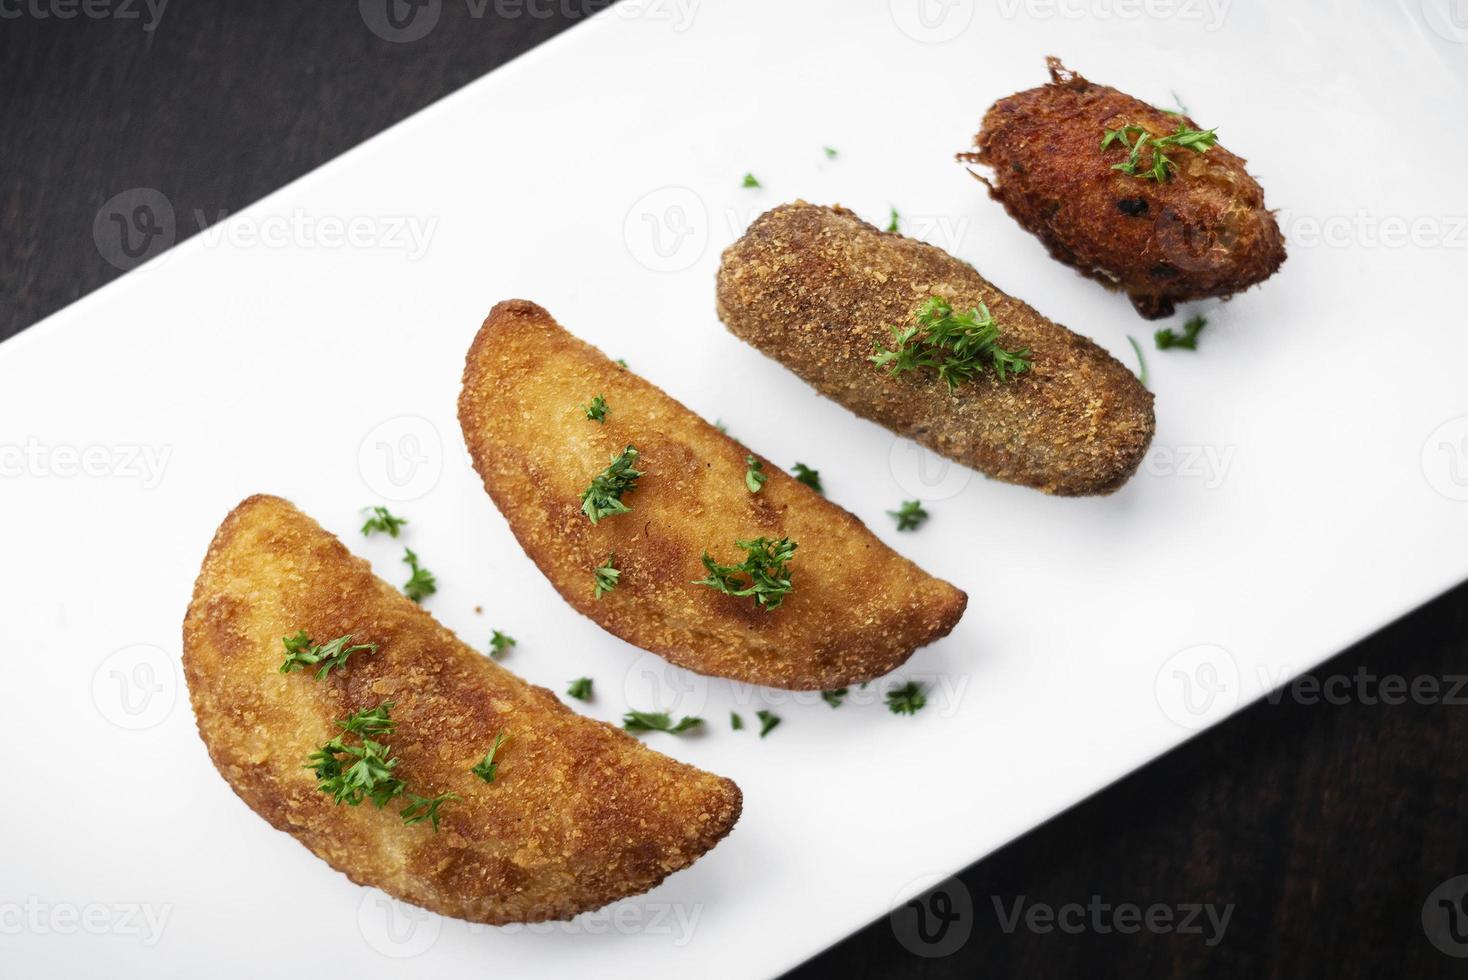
pixel 579 815
pixel 818 289
pixel 1204 232
pixel 857 610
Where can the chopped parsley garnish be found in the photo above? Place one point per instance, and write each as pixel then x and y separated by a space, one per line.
pixel 895 224
pixel 500 644
pixel 767 722
pixel 300 653
pixel 910 516
pixel 381 520
pixel 958 346
pixel 754 476
pixel 1167 339
pixel 487 767
pixel 621 364
pixel 765 563
pixel 606 576
pixel 597 410
pixel 1141 359
pixel 657 721
pixel 751 181
pixel 580 689
pixel 810 477
pixel 1158 166
pixel 834 698
pixel 421 584
pixel 736 722
pixel 907 699
pixel 604 497
pixel 351 773
pixel 421 808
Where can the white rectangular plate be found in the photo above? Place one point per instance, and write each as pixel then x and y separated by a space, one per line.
pixel 1307 485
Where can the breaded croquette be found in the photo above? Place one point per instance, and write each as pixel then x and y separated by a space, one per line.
pixel 575 814
pixel 687 544
pixel 822 292
pixel 1188 225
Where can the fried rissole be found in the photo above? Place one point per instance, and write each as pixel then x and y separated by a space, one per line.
pixel 856 609
pixel 578 815
pixel 820 290
pixel 1204 231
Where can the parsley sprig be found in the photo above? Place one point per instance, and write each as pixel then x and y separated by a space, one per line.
pixel 486 768
pixel 767 566
pixel 381 519
pixel 767 722
pixel 605 577
pixel 1157 166
pixel 1168 340
pixel 835 697
pixel 351 773
pixel 301 653
pixel 499 644
pixel 908 699
pixel 910 516
pixel 810 477
pixel 754 475
pixel 421 808
pixel 597 410
pixel 580 689
pixel 658 721
pixel 958 346
pixel 421 584
pixel 604 497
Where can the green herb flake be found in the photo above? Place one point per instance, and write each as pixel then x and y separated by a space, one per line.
pixel 486 769
pixel 910 516
pixel 580 689
pixel 767 722
pixel 421 584
pixel 766 563
pixel 834 698
pixel 300 653
pixel 657 721
pixel 597 410
pixel 604 497
pixel 751 181
pixel 754 475
pixel 908 699
pixel 810 477
pixel 736 722
pixel 1145 156
pixel 831 152
pixel 894 224
pixel 421 808
pixel 1141 360
pixel 957 346
pixel 605 577
pixel 499 644
pixel 1168 340
pixel 380 519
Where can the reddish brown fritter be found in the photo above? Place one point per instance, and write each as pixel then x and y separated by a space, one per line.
pixel 579 815
pixel 857 609
pixel 818 289
pixel 1203 232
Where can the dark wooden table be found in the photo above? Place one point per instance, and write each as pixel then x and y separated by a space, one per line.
pixel 1326 826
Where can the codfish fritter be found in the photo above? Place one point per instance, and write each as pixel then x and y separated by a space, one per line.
pixel 819 290
pixel 856 609
pixel 578 815
pixel 1202 232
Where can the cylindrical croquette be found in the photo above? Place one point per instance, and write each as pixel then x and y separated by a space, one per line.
pixel 819 290
pixel 1200 231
